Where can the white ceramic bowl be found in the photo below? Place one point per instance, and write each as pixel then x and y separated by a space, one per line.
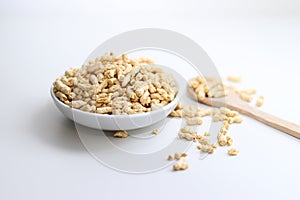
pixel 122 122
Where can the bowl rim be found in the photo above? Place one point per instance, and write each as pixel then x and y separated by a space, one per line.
pixel 159 110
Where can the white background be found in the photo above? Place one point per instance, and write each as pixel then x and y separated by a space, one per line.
pixel 41 154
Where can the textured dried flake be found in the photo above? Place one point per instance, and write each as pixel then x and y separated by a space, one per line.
pixel 93 79
pixel 68 103
pixel 71 96
pixel 170 158
pixel 245 97
pixel 234 79
pixel 260 101
pixel 78 103
pixel 145 60
pixel 84 86
pixel 203 113
pixel 219 117
pixel 179 106
pixel 104 110
pixel 206 133
pixel 227 116
pixel 222 140
pixel 231 113
pixel 229 140
pixel 186 130
pixel 194 121
pixel 188 134
pixel 86 108
pixel 101 81
pixel 61 96
pixel 248 91
pixel 177 156
pixel 237 119
pixel 60 86
pixel 233 151
pixel 190 111
pixel 155 131
pixel 207 148
pixel 184 155
pixel 198 84
pixel 181 164
pixel 224 130
pixel 70 72
pixel 176 113
pixel 204 141
pixel 225 125
pixel 121 134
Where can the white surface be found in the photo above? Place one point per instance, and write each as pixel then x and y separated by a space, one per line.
pixel 41 154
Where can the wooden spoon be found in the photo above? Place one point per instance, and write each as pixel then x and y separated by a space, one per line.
pixel 233 101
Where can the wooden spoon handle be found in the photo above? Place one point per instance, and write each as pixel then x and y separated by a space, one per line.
pixel 270 120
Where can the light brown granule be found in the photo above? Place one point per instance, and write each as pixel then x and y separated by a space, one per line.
pixel 245 97
pixel 235 79
pixel 260 101
pixel 177 156
pixel 225 124
pixel 188 134
pixel 179 106
pixel 176 113
pixel 222 139
pixel 207 148
pixel 121 134
pixel 233 151
pixel 181 164
pixel 170 158
pixel 206 133
pixel 194 121
pixel 236 119
pixel 229 140
pixel 207 87
pixel 192 113
pixel 204 141
pixel 248 91
pixel 225 114
pixel 183 155
pixel 155 131
pixel 224 130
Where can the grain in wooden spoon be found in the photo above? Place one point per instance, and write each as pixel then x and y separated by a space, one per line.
pixel 233 102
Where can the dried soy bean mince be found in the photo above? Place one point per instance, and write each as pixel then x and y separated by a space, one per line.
pixel 260 101
pixel 116 85
pixel 122 85
pixel 211 88
pixel 121 134
pixel 181 163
